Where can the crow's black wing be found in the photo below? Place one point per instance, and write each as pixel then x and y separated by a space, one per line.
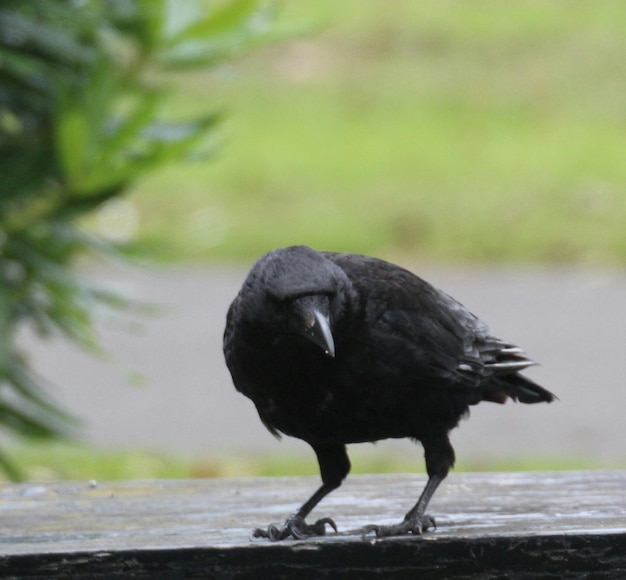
pixel 447 341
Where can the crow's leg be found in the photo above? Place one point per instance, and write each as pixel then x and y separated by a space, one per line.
pixel 439 459
pixel 334 466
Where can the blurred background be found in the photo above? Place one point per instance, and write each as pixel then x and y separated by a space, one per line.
pixel 480 145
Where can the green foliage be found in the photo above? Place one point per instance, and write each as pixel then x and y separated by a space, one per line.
pixel 83 103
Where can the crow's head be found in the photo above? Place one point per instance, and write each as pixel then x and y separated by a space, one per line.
pixel 298 291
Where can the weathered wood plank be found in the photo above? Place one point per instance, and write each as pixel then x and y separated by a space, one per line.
pixel 557 524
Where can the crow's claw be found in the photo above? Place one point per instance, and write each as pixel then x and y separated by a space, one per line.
pixel 295 527
pixel 407 527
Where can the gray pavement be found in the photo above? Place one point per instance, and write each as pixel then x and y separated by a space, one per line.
pixel 573 321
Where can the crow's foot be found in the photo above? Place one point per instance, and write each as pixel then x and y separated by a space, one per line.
pixel 296 528
pixel 410 526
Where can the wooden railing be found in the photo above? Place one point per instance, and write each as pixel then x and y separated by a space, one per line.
pixel 561 525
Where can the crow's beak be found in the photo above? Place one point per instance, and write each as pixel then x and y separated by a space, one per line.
pixel 319 333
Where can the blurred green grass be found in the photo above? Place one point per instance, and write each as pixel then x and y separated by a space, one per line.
pixel 444 130
pixel 73 461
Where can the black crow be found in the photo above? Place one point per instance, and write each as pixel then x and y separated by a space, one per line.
pixel 339 348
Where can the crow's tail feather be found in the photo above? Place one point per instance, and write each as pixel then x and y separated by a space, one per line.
pixel 522 389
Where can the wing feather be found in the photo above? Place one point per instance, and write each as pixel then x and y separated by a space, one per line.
pixel 454 343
